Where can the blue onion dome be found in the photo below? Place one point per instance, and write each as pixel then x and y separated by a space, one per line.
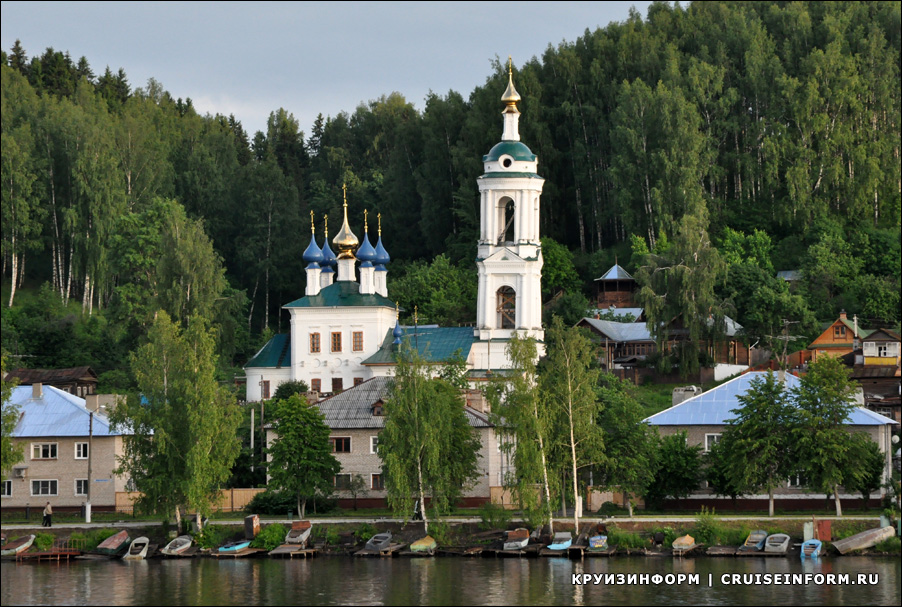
pixel 329 259
pixel 382 256
pixel 366 253
pixel 313 254
pixel 397 333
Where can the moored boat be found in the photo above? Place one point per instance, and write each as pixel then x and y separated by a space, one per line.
pixel 683 544
pixel 425 544
pixel 114 545
pixel 235 546
pixel 778 543
pixel 562 541
pixel 299 533
pixel 865 539
pixel 516 539
pixel 811 549
pixel 379 542
pixel 17 545
pixel 138 550
pixel 754 542
pixel 178 545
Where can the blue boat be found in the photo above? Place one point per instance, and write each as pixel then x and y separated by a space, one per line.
pixel 811 549
pixel 754 542
pixel 562 541
pixel 234 546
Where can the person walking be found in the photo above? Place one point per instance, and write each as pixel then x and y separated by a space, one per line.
pixel 48 512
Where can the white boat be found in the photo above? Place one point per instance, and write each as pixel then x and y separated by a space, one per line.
pixel 18 545
pixel 177 546
pixel 138 550
pixel 516 539
pixel 299 533
pixel 778 543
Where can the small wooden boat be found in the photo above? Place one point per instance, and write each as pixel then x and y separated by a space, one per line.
pixel 178 545
pixel 299 533
pixel 235 546
pixel 426 544
pixel 114 545
pixel 17 545
pixel 684 544
pixel 562 541
pixel 516 539
pixel 598 542
pixel 778 543
pixel 379 542
pixel 811 549
pixel 138 550
pixel 754 542
pixel 865 539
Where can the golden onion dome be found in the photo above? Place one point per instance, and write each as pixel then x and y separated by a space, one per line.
pixel 345 239
pixel 510 96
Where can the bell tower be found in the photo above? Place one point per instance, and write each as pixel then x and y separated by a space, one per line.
pixel 509 256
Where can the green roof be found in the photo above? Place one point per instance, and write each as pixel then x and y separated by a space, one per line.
pixel 433 344
pixel 851 325
pixel 345 293
pixel 515 149
pixel 276 353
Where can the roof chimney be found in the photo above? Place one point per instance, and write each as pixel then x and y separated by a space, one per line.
pixel 37 391
pixel 842 315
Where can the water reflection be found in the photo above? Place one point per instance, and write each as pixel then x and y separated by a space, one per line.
pixel 446 581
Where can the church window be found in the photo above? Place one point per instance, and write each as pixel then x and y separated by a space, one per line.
pixel 336 341
pixel 358 381
pixel 316 384
pixel 507 231
pixel 264 390
pixel 357 344
pixel 507 308
pixel 314 343
pixel 337 385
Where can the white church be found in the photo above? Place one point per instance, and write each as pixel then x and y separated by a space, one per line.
pixel 345 328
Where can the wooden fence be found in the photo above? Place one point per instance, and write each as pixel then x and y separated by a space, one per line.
pixel 229 500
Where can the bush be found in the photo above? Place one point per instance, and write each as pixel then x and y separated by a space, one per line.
pixel 97 536
pixel 270 537
pixel 610 508
pixel 212 536
pixel 332 536
pixel 440 532
pixel 43 541
pixel 493 516
pixel 272 503
pixel 708 529
pixel 891 545
pixel 364 532
pixel 625 539
pixel 670 534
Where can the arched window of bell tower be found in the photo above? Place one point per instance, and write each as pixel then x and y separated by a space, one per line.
pixel 506 208
pixel 507 308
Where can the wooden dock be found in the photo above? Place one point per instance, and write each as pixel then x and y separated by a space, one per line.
pixel 721 551
pixel 692 550
pixel 291 551
pixel 609 551
pixel 238 554
pixel 390 551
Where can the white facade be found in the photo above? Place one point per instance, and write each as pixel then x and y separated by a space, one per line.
pixel 338 325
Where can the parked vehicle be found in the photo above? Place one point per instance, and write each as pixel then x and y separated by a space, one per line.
pixel 754 542
pixel 865 539
pixel 778 543
pixel 598 542
pixel 379 542
pixel 234 546
pixel 299 533
pixel 178 545
pixel 562 541
pixel 683 544
pixel 812 549
pixel 425 544
pixel 114 545
pixel 138 550
pixel 17 545
pixel 516 539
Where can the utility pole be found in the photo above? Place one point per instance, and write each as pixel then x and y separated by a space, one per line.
pixel 90 456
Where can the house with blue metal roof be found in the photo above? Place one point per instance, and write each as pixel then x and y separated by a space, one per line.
pixel 704 417
pixel 69 451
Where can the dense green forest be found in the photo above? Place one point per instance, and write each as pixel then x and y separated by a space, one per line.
pixel 750 137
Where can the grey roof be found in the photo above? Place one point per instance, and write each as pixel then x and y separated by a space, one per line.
pixel 714 407
pixel 353 408
pixel 621 331
pixel 616 273
pixel 56 413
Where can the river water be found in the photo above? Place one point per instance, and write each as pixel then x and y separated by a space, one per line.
pixel 445 581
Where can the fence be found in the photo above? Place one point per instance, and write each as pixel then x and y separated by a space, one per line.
pixel 229 500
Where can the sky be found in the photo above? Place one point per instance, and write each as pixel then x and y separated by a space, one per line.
pixel 309 57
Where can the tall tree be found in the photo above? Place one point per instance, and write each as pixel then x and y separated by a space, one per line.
pixel 825 400
pixel 300 458
pixel 182 425
pixel 10 452
pixel 678 471
pixel 759 439
pixel 524 424
pixel 568 382
pixel 428 448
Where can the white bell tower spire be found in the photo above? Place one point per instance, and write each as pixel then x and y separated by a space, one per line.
pixel 509 255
